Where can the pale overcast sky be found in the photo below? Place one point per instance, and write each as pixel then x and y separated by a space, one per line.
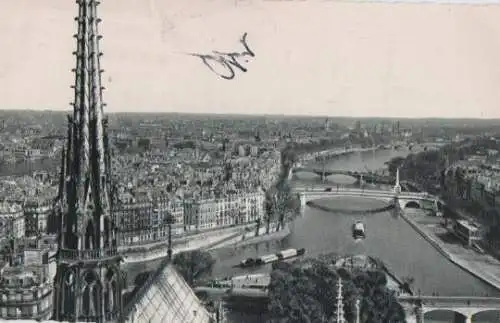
pixel 312 57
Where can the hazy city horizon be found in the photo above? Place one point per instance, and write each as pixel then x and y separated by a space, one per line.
pixel 255 115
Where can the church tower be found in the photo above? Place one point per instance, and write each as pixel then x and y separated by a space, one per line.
pixel 88 283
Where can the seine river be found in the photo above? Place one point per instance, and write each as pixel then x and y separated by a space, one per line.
pixel 391 239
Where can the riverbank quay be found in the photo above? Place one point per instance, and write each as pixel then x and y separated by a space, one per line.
pixel 233 237
pixel 209 239
pixel 249 238
pixel 139 263
pixel 482 266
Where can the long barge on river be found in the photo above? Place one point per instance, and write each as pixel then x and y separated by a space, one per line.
pixel 268 259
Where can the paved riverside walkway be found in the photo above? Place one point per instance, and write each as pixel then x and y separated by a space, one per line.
pixel 483 266
pixel 206 241
pixel 249 237
pixel 200 241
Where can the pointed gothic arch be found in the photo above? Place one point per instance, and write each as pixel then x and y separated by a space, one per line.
pixel 111 291
pixel 89 241
pixel 68 290
pixel 107 231
pixel 92 290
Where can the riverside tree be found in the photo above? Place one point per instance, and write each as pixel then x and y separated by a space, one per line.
pixel 280 201
pixel 306 293
pixel 193 265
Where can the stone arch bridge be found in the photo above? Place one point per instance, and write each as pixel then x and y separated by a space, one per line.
pixel 466 308
pixel 406 199
pixel 365 176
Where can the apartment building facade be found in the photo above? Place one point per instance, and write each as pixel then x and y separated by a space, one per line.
pixel 12 224
pixel 214 213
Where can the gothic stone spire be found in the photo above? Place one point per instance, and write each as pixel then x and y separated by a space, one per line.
pixel 87 185
pixel 88 280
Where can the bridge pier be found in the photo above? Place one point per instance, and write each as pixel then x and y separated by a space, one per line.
pixel 419 314
pixel 397 206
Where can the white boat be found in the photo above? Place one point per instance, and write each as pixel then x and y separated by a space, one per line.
pixel 358 230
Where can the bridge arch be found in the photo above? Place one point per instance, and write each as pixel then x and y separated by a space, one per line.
pixel 313 194
pixel 488 315
pixel 318 196
pixel 308 194
pixel 355 176
pixel 412 204
pixel 449 315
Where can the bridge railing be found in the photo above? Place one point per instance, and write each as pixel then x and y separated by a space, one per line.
pixel 360 191
pixel 456 301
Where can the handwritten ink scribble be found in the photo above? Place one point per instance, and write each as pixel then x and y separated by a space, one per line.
pixel 223 64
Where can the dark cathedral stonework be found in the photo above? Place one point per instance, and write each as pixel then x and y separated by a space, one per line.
pixel 89 283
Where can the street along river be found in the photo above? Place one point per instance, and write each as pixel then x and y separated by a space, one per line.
pixel 389 238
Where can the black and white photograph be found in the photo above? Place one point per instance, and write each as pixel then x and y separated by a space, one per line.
pixel 250 161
